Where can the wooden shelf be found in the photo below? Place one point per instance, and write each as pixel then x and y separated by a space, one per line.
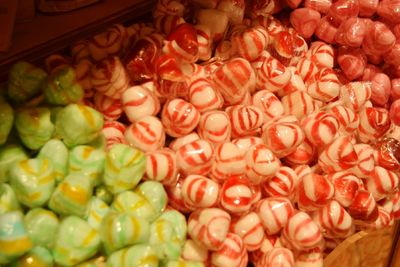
pixel 47 34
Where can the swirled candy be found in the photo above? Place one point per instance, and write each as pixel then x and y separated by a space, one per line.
pixel 25 81
pixel 282 184
pixel 119 230
pixel 14 240
pixel 97 210
pixel 277 257
pixel 124 168
pixel 75 242
pixel 314 192
pixel 7 120
pixel 320 128
pixel 245 120
pixel 215 127
pixel 261 164
pixel 250 229
pixel 162 167
pixel 62 88
pixel 228 162
pixel 192 251
pixel 232 253
pixel 195 157
pixel 299 104
pixel 8 199
pixel 33 181
pixel 382 182
pixel 78 124
pixel 237 195
pixel 155 194
pixel 34 126
pixel 72 195
pixel 346 186
pixel 184 263
pixel 139 255
pixel 57 153
pixel 9 155
pixel 88 161
pixel 41 226
pixel 134 204
pixel 200 192
pixel 37 256
pixel 204 96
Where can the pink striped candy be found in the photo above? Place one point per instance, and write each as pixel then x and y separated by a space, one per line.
pixel 282 184
pixel 335 221
pixel 147 134
pixel 209 227
pixel 80 50
pixel 374 123
pixel 305 21
pixel 324 85
pixel 179 117
pixel 299 104
pixel 250 229
pixel 305 153
pixel 274 213
pixel 355 94
pixel 245 120
pixel 109 107
pixel 281 257
pixel 195 157
pixel 268 103
pixel 215 127
pixel 272 75
pixel 339 155
pixel 296 82
pixel 181 141
pixel 320 128
pixel 267 245
pixel 229 161
pixel 382 182
pixel 200 192
pixel 289 47
pixel 379 39
pixel 314 192
pixel 301 232
pixel 302 170
pixel 326 31
pixel 251 42
pixel 233 79
pixel 236 195
pixel 385 219
pixel 109 77
pixel 352 62
pixel 138 101
pixel 282 138
pixel 307 69
pixel 347 118
pixel 113 132
pixel 244 143
pixel 366 161
pixel 364 207
pixel 346 186
pixel 261 164
pixel 351 32
pixel 321 53
pixel 321 6
pixel 169 68
pixel 232 253
pixel 161 166
pixel 175 197
pixel 387 153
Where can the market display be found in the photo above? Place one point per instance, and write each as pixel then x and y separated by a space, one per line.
pixel 225 133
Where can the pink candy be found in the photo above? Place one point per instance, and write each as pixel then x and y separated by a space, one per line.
pixel 379 39
pixel 305 21
pixel 364 207
pixel 374 123
pixel 352 62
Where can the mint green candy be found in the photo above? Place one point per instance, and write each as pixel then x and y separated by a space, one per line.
pixel 124 168
pixel 6 120
pixel 76 241
pixel 36 257
pixel 8 199
pixel 99 142
pixel 9 155
pixel 62 88
pixel 88 161
pixel 57 153
pixel 178 220
pixel 25 81
pixel 119 230
pixel 164 240
pixel 42 226
pixel 135 204
pixel 96 262
pixel 155 194
pixel 34 127
pixel 72 196
pixel 98 209
pixel 135 256
pixel 78 124
pixel 182 263
pixel 33 181
pixel 104 194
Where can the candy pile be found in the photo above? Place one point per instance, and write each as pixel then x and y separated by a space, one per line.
pixel 273 148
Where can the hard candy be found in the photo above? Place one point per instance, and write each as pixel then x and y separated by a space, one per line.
pixel 42 227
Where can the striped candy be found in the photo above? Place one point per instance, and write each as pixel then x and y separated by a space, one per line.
pixel 215 127
pixel 204 41
pixel 374 123
pixel 250 229
pixel 320 128
pixel 314 191
pixel 114 131
pixel 166 23
pixel 307 69
pixel 299 104
pixel 228 162
pixel 346 186
pixel 146 134
pixel 195 157
pixel 251 42
pixel 261 164
pixel 182 43
pixel 282 257
pixel 366 161
pixel 138 102
pixel 303 154
pixel 181 141
pixel 364 207
pixel 282 184
pixel 354 95
pixel 232 253
pixel 382 182
pixel 244 143
pixel 204 96
pixel 323 85
pixel 200 192
pixel 109 107
pixel 322 54
pixel 272 75
pixel 175 198
pixel 348 119
pixel 161 166
pixel 295 83
pixel 192 251
pixel 268 103
pixel 245 120
pixel 236 195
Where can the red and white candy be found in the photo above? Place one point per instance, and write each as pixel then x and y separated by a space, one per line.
pixel 314 191
pixel 282 257
pixel 232 253
pixel 322 54
pixel 374 123
pixel 109 107
pixel 261 164
pixel 113 132
pixel 195 157
pixel 193 251
pixel 272 75
pixel 354 95
pixel 320 128
pixel 200 192
pixel 382 182
pixel 323 85
pixel 268 103
pixel 228 162
pixel 282 184
pixel 204 96
pixel 346 186
pixel 299 104
pixel 215 127
pixel 303 154
pixel 161 166
pixel 245 120
pixel 244 143
pixel 250 229
pixel 366 161
pixel 348 119
pixel 364 207
pixel 236 195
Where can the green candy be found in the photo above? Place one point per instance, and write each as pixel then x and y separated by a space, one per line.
pixel 42 226
pixel 6 120
pixel 88 161
pixel 164 240
pixel 78 124
pixel 182 263
pixel 33 181
pixel 99 142
pixel 14 240
pixel 37 257
pixel 25 81
pixel 119 230
pixel 97 262
pixel 135 204
pixel 61 87
pixel 9 155
pixel 34 127
pixel 155 194
pixel 124 168
pixel 56 152
pixel 76 242
pixel 178 220
pixel 104 194
pixel 97 210
pixel 8 199
pixel 135 256
pixel 72 196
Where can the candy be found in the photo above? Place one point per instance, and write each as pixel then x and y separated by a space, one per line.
pixel 268 103
pixel 97 210
pixel 209 227
pixel 37 256
pixel 236 195
pixel 307 69
pixel 15 241
pixel 234 9
pixel 199 191
pixel 374 123
pixel 277 257
pixel 305 21
pixel 351 32
pixel 378 40
pixel 75 242
pixel 314 191
pixel 250 229
pixel 182 43
pixel 175 198
pixel 324 85
pixel 33 181
pixel 312 258
pixel 394 115
pixel 228 162
pixel 57 153
pixel 282 184
pixel 8 199
pixel 122 229
pixel 368 8
pixel 215 127
pixel 364 207
pixel 244 143
pixel 195 157
pixel 346 187
pixel 321 6
pixel 194 252
pixel 304 154
pixel 251 42
pixel 161 166
pixel 34 126
pixel 382 182
pixel 42 226
pixel 301 232
pixel 146 134
pixel 366 161
pixel 261 164
pixel 134 204
pixel 320 128
pixel 138 101
pixel 78 125
pixel 155 194
pixel 138 255
pixel 387 154
pixel 348 119
pixel 124 168
pixel 380 89
pixel 245 120
pixel 299 104
pixel 7 115
pixel 232 252
pixel 272 75
pixel 274 213
pixel 9 155
pixel 204 96
pixel 109 107
pixel 296 82
pixel 113 131
pixel 25 81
